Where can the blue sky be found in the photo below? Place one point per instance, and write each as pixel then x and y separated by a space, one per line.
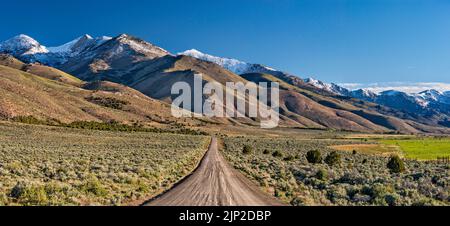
pixel 360 41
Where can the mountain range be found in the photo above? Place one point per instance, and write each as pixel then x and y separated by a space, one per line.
pixel 126 66
pixel 426 101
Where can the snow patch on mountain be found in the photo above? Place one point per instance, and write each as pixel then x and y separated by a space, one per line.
pixel 363 94
pixel 29 50
pixel 407 87
pixel 329 87
pixel 68 47
pixel 429 96
pixel 79 45
pixel 233 65
pixel 140 46
pixel 318 84
pixel 22 45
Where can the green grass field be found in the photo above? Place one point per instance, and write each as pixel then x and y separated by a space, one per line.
pixel 422 149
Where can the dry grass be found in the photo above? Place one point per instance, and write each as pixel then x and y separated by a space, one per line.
pixel 373 149
pixel 42 165
pixel 377 136
pixel 25 94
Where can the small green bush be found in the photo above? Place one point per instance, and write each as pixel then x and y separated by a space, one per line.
pixel 29 194
pixel 266 152
pixel 247 150
pixel 333 158
pixel 277 154
pixel 396 165
pixel 29 120
pixel 289 158
pixel 314 157
pixel 108 102
pixel 322 174
pixel 93 185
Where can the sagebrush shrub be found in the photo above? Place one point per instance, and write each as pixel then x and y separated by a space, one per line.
pixel 277 154
pixel 396 165
pixel 29 194
pixel 322 174
pixel 94 186
pixel 314 157
pixel 247 150
pixel 289 158
pixel 333 158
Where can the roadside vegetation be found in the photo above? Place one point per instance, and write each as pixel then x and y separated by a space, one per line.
pixel 42 165
pixel 316 174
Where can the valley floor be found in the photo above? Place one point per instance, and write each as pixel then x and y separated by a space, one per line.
pixel 42 165
pixel 280 166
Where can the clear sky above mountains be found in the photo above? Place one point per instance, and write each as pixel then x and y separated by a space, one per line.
pixel 335 41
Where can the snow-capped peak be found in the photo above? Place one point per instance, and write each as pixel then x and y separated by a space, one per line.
pixel 236 66
pixel 318 84
pixel 104 38
pixel 391 93
pixel 192 52
pixel 431 94
pixel 60 54
pixel 363 94
pixel 141 46
pixel 22 45
pixel 68 47
pixel 233 65
pixel 330 87
pixel 78 45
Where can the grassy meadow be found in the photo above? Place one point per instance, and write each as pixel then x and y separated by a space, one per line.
pixel 410 147
pixel 422 149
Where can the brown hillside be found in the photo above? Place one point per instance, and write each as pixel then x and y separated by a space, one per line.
pixel 25 94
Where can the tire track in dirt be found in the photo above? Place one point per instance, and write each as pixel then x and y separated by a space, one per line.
pixel 215 183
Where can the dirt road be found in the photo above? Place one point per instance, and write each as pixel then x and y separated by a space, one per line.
pixel 215 183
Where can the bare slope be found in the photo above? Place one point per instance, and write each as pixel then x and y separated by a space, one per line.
pixel 25 94
pixel 40 70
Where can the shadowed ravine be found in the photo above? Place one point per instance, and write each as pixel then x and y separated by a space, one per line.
pixel 215 183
